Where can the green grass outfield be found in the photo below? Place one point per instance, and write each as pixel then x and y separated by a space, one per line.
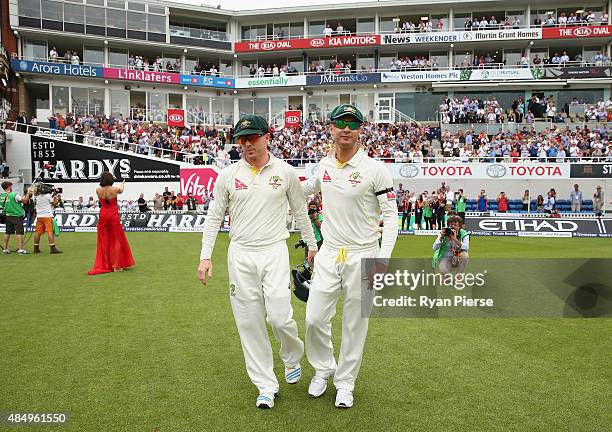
pixel 151 349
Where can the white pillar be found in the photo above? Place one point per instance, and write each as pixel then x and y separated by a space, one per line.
pixel 306 27
pixel 106 55
pixel 376 23
pixel 107 101
pixel 527 22
pixel 451 19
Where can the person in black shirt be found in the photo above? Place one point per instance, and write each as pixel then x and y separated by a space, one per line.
pixel 191 202
pixel 234 154
pixel 142 204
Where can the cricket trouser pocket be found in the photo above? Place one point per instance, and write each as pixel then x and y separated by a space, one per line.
pixel 259 287
pixel 337 270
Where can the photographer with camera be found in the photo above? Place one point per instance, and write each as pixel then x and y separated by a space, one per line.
pixel 45 198
pixel 451 247
pixel 12 215
pixel 316 219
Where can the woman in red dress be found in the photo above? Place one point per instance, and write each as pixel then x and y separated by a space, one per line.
pixel 113 253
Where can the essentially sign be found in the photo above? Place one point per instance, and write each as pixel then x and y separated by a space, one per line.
pixel 463 75
pixel 278 81
pixel 576 32
pixel 293 119
pixel 176 117
pixel 79 163
pixel 591 170
pixel 206 81
pixel 322 42
pixel 198 181
pixel 579 72
pixel 57 68
pixel 349 79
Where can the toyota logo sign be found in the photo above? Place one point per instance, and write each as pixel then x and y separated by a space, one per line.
pixel 268 46
pixel 409 171
pixel 496 171
pixel 317 43
pixel 583 31
pixel 175 117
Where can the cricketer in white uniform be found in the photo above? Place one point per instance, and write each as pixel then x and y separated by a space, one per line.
pixel 258 190
pixel 356 190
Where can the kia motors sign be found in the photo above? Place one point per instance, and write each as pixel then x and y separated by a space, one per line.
pixel 198 181
pixel 576 32
pixel 322 42
pixel 176 117
pixel 292 119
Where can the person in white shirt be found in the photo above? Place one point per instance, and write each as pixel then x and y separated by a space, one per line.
pixel 45 202
pixel 53 55
pixel 356 190
pixel 257 191
pixel 327 32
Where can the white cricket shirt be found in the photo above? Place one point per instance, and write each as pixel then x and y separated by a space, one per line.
pixel 257 201
pixel 354 197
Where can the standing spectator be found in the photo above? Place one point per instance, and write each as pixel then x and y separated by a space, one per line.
pixel 53 55
pixel 22 121
pixel 406 207
pixel 540 204
pixel 418 212
pixel 12 203
pixel 142 204
pixel 502 203
pixel 158 202
pixel 428 212
pixel 461 204
pixel 482 202
pixel 598 201
pixel 440 211
pixel 576 199
pixel 549 203
pixel 191 202
pixel 179 202
pixel 526 200
pixel 91 203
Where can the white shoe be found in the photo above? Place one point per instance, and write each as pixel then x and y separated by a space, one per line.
pixel 265 400
pixel 344 398
pixel 6 252
pixel 317 386
pixel 22 252
pixel 293 375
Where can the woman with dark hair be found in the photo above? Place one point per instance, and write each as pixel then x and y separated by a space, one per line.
pixel 113 252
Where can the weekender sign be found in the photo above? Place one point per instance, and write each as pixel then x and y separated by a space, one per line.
pixel 322 42
pixel 57 68
pixel 79 163
pixel 480 171
pixel 463 75
pixel 461 36
pixel 576 32
pixel 278 81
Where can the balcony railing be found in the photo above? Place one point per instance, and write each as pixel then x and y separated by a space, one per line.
pixel 197 33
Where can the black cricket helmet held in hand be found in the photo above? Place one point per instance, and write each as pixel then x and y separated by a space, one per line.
pixel 302 276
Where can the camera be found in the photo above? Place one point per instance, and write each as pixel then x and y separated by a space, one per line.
pixel 447 231
pixel 311 211
pixel 40 188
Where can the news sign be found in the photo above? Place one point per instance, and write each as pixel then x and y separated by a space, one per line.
pixel 321 42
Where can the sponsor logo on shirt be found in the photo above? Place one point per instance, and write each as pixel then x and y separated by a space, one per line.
pixel 275 182
pixel 390 196
pixel 326 177
pixel 239 185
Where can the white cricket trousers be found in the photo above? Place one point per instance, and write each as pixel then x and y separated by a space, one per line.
pixel 334 273
pixel 259 285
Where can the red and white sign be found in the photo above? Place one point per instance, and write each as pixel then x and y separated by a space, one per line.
pixel 198 181
pixel 322 42
pixel 481 171
pixel 141 75
pixel 176 117
pixel 293 119
pixel 576 32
